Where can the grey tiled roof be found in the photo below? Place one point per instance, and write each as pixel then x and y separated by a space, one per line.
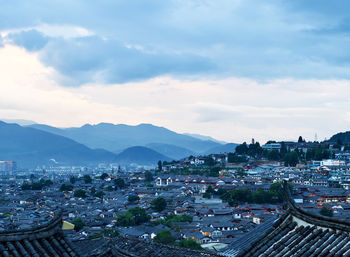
pixel 297 233
pixel 45 240
pixel 132 247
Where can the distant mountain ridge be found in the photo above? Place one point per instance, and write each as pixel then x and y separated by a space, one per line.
pixel 227 148
pixel 140 155
pixel 31 147
pixel 116 138
pixel 201 137
pixel 172 151
pixel 37 144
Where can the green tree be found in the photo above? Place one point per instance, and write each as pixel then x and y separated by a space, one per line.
pixel 99 194
pixel 109 188
pixel 214 172
pixel 148 176
pixel 134 216
pixel 176 218
pixel 80 193
pixel 160 166
pixel 207 195
pixel 78 224
pixel 133 198
pixel 235 158
pixel 241 173
pixel 72 179
pixel 210 190
pixel 255 149
pixel 110 232
pixel 65 187
pixel 283 150
pixel 189 243
pixel 164 237
pixel 159 204
pixel 104 176
pixel 291 159
pixel 36 185
pixel 87 179
pixel 326 212
pixel 209 161
pixel 242 149
pixel 46 182
pixel 119 183
pixel 93 191
pixel 273 155
pixel 140 215
pixel 126 220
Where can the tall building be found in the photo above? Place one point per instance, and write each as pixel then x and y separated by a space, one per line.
pixel 7 167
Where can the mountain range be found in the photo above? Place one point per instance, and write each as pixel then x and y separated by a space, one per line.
pixel 144 144
pixel 31 147
pixel 116 138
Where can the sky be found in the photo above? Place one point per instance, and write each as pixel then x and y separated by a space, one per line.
pixel 230 69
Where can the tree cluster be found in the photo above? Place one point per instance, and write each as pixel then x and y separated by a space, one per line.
pixel 326 212
pixel 253 150
pixel 111 233
pixel 80 193
pixel 78 224
pixel 236 158
pixel 133 198
pixel 165 237
pixel 237 196
pixel 119 183
pixel 104 176
pixel 66 187
pixel 87 179
pixel 159 204
pixel 170 219
pixel 37 185
pixel 317 154
pixel 148 176
pixel 134 216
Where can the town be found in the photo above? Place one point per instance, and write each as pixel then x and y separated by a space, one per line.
pixel 199 202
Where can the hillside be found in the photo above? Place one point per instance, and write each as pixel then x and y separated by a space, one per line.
pixel 344 137
pixel 116 138
pixel 30 147
pixel 172 151
pixel 140 155
pixel 201 137
pixel 227 148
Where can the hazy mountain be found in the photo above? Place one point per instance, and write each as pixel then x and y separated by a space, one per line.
pixel 31 147
pixel 140 155
pixel 47 128
pixel 344 137
pixel 21 122
pixel 228 148
pixel 201 137
pixel 173 151
pixel 116 138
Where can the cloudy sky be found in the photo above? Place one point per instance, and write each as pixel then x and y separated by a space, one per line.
pixel 231 69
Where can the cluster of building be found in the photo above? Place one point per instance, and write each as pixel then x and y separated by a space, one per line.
pixel 215 223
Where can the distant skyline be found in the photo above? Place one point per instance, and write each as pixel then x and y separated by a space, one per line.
pixel 233 70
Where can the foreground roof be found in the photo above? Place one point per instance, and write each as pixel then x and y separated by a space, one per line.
pixel 296 233
pixel 133 247
pixel 44 240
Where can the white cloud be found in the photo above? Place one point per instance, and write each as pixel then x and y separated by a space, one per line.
pixel 231 109
pixel 124 41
